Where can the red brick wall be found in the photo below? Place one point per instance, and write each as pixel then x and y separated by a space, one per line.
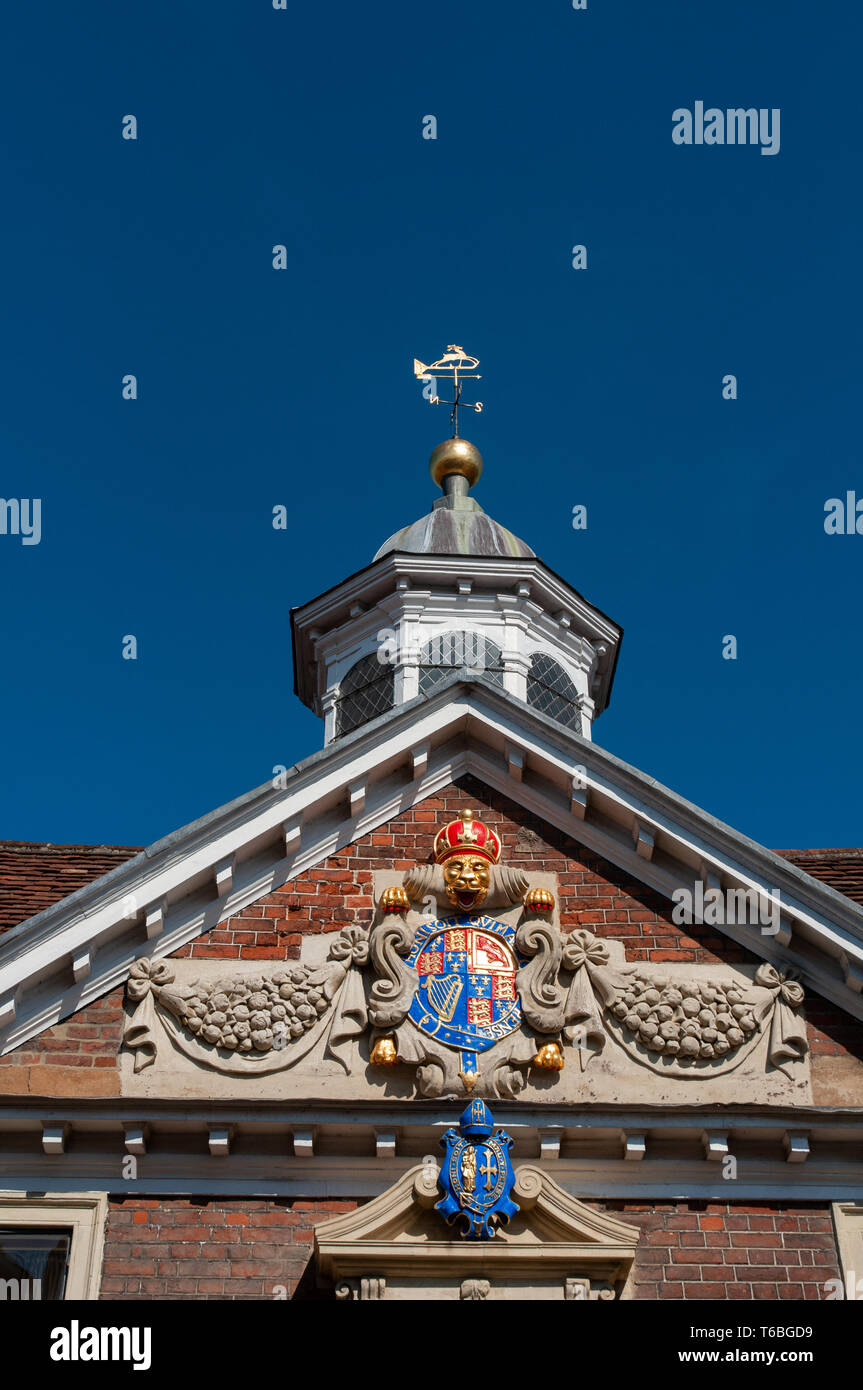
pixel 77 1057
pixel 226 1248
pixel 219 1247
pixel 722 1250
pixel 594 894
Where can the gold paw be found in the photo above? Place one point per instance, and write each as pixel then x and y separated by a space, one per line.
pixel 395 900
pixel 539 900
pixel 384 1053
pixel 549 1057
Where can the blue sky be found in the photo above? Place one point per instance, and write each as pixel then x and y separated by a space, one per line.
pixel 258 387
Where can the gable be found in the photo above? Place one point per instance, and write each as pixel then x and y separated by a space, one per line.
pixel 300 918
pixel 185 886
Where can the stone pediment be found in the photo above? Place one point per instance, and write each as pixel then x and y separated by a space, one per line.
pixel 398 1247
pixel 75 951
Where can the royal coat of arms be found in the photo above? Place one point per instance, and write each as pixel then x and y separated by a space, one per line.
pixel 451 994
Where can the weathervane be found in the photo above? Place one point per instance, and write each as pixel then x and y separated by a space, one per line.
pixel 457 366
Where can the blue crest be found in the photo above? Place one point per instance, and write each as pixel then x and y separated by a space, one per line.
pixel 476 1175
pixel 467 995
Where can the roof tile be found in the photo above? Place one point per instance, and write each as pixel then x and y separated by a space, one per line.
pixel 33 876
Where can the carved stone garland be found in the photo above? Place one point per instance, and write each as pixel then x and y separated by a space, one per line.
pixel 252 1024
pixel 685 1027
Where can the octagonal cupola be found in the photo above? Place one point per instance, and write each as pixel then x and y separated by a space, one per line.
pixel 453 592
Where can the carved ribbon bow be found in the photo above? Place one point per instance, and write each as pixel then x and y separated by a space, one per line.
pixel 351 947
pixel 587 958
pixel 581 948
pixel 349 954
pixel 146 976
pixel 788 1042
pixel 145 983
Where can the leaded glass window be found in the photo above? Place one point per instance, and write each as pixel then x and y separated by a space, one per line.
pixel 453 651
pixel 367 690
pixel 550 690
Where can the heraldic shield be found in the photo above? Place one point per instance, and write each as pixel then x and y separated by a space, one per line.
pixel 476 1175
pixel 467 994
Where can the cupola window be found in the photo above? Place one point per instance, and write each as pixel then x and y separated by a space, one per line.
pixel 550 690
pixel 453 651
pixel 366 691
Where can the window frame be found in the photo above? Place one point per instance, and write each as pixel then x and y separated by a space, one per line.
pixel 83 1214
pixel 848 1230
pixel 494 672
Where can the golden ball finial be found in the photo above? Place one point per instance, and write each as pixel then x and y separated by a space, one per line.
pixel 457 456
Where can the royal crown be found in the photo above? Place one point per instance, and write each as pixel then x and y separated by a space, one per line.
pixel 466 836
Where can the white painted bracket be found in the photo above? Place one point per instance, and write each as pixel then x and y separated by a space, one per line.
pixel 515 762
pixel 853 972
pixel 82 964
pixel 549 1143
pixel 224 872
pixel 54 1138
pixel 135 1138
pixel 796 1146
pixel 634 1147
pixel 709 877
pixel 419 758
pixel 154 919
pixel 715 1144
pixel 292 829
pixel 578 798
pixel 219 1140
pixel 385 1143
pixel 304 1143
pixel 642 838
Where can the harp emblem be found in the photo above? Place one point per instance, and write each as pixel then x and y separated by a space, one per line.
pixel 443 993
